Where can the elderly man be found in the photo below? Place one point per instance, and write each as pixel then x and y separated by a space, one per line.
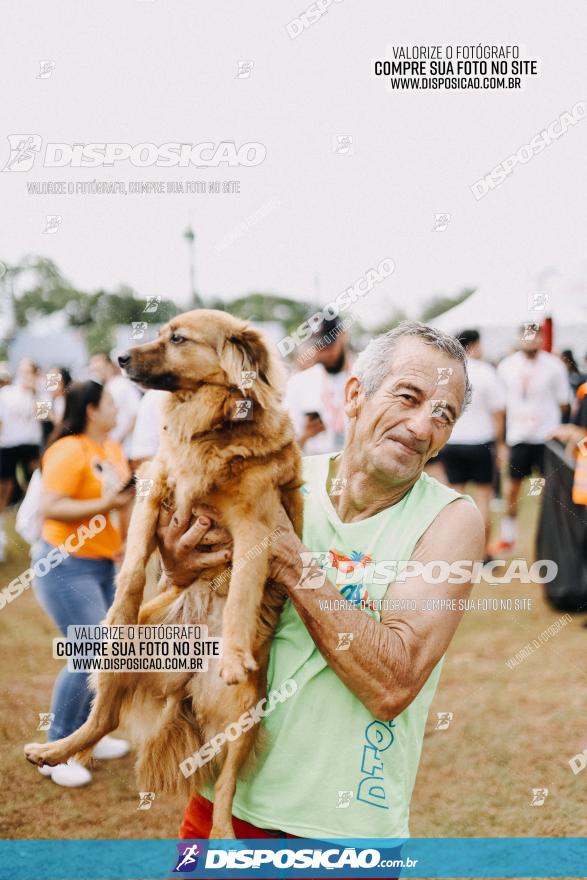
pixel 364 646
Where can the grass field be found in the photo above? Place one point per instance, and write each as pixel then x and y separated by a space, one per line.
pixel 512 730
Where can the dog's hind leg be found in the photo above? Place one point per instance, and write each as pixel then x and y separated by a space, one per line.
pixel 111 687
pixel 103 719
pixel 237 752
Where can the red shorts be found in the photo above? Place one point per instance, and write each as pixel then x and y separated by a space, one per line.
pixel 197 824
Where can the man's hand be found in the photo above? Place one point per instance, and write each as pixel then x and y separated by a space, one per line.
pixel 188 548
pixel 118 497
pixel 313 425
pixel 191 546
pixel 569 433
pixel 285 566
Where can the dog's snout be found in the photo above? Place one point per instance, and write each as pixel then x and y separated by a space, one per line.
pixel 124 360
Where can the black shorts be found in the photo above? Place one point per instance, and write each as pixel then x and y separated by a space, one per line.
pixel 468 462
pixel 525 458
pixel 12 456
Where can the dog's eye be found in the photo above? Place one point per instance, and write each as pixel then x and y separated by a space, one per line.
pixel 177 339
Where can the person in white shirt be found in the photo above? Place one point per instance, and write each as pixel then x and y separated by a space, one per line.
pixel 315 396
pixel 478 436
pixel 537 396
pixel 20 435
pixel 126 397
pixel 147 429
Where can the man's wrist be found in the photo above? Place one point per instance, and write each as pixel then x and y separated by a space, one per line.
pixel 294 566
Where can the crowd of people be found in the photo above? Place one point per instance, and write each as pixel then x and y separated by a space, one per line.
pixel 70 447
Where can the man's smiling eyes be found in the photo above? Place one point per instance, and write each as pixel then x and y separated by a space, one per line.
pixel 439 410
pixel 409 394
pixel 441 413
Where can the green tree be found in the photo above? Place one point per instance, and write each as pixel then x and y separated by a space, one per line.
pixel 96 313
pixel 267 307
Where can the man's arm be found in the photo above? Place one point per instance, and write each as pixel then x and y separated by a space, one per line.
pixel 498 418
pixel 127 400
pixel 563 390
pixel 389 661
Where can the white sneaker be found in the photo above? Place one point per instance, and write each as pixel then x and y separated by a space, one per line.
pixel 71 775
pixel 109 747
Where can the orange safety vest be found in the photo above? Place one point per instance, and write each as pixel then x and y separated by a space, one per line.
pixel 580 482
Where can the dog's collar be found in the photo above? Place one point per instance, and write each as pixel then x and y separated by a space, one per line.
pixel 212 433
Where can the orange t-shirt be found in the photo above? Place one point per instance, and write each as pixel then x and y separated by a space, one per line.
pixel 82 469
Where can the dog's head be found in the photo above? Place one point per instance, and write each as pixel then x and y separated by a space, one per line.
pixel 207 347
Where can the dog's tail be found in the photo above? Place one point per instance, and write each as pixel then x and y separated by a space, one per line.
pixel 160 755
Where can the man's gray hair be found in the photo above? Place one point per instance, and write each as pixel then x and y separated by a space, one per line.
pixel 374 362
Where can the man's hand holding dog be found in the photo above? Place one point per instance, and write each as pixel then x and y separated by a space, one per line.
pixel 188 548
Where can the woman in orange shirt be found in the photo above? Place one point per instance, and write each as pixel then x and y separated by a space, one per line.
pixel 85 478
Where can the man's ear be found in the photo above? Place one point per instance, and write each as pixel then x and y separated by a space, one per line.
pixel 247 351
pixel 352 391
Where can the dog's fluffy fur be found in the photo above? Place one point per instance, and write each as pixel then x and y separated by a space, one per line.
pixel 245 470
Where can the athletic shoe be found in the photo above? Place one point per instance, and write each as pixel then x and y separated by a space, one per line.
pixel 109 748
pixel 70 775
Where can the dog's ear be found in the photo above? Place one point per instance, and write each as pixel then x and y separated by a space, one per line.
pixel 247 351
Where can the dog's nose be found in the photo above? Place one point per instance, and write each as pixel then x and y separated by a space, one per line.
pixel 124 360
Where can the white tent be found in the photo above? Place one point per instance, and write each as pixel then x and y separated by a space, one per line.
pixel 499 325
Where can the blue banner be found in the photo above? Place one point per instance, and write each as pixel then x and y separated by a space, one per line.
pixel 280 858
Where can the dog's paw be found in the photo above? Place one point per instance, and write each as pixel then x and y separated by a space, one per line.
pixel 42 753
pixel 235 666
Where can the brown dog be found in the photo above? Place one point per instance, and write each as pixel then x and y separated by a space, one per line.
pixel 245 468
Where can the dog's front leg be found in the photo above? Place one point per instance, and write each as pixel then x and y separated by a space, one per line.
pixel 140 544
pixel 247 583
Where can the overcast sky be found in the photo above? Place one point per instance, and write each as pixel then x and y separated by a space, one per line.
pixel 165 70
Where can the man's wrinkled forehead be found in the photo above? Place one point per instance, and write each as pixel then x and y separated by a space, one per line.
pixel 429 367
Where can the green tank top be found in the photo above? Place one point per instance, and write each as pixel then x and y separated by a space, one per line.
pixel 330 769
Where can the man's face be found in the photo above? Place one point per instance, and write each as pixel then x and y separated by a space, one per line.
pixel 330 355
pixel 532 344
pixel 410 416
pixel 27 376
pixel 474 350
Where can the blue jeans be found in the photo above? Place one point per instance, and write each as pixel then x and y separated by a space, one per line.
pixel 77 591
